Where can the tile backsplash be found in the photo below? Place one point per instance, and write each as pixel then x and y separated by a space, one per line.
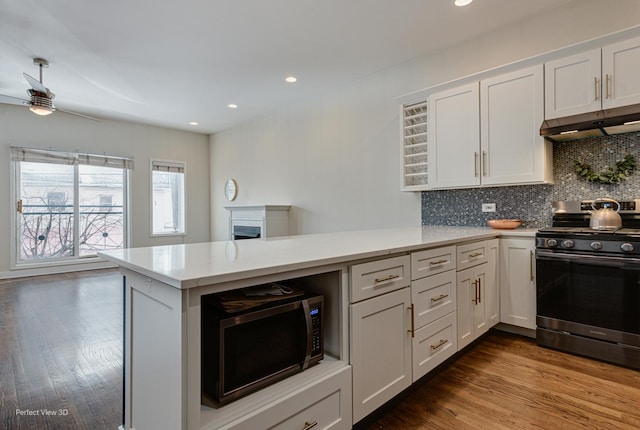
pixel 532 203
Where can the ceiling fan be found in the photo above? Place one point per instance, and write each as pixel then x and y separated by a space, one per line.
pixel 41 102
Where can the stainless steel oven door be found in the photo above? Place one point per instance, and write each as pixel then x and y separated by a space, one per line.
pixel 589 295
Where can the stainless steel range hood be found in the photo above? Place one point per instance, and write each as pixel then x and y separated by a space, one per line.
pixel 600 123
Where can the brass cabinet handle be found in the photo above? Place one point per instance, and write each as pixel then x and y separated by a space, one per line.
pixel 436 263
pixel 484 163
pixel 595 86
pixel 308 425
pixel 437 299
pixel 442 342
pixel 412 331
pixel 608 78
pixel 386 278
pixel 531 259
pixel 475 254
pixel 475 164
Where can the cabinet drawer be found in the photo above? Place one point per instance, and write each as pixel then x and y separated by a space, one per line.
pixel 432 261
pixel 379 277
pixel 326 402
pixel 326 413
pixel 433 344
pixel 471 254
pixel 433 297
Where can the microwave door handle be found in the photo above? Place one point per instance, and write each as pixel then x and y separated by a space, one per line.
pixel 309 327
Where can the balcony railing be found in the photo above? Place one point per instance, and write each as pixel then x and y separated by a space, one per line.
pixel 47 231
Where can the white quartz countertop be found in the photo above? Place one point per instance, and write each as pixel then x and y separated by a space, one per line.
pixel 197 264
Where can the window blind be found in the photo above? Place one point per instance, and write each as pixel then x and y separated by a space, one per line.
pixel 33 155
pixel 167 166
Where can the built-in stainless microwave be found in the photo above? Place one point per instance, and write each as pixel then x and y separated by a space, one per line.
pixel 244 351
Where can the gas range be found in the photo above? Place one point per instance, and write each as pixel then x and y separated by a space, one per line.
pixel 570 230
pixel 588 284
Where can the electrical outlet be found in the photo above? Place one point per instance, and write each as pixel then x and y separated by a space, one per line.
pixel 488 207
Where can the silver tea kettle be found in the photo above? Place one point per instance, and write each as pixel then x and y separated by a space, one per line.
pixel 605 218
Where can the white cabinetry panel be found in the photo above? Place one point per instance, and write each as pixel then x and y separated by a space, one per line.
pixel 593 80
pixel 512 109
pixel 328 405
pixel 380 350
pixel 454 137
pixel 517 282
pixel 432 261
pixel 433 297
pixel 433 344
pixel 621 68
pixel 154 313
pixel 477 293
pixel 573 85
pixel 378 277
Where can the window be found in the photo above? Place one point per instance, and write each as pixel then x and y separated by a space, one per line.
pixel 70 205
pixel 168 203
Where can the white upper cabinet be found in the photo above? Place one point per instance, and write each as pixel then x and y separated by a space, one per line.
pixel 454 137
pixel 487 133
pixel 511 111
pixel 593 80
pixel 572 85
pixel 621 69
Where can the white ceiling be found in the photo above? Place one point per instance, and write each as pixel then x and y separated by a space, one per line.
pixel 171 62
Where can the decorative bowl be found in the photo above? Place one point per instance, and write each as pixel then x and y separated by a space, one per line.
pixel 504 224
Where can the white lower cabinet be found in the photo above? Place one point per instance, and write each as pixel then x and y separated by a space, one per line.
pixel 471 316
pixel 380 350
pixel 433 302
pixel 492 292
pixel 398 336
pixel 433 344
pixel 518 282
pixel 477 296
pixel 327 406
pixel 433 297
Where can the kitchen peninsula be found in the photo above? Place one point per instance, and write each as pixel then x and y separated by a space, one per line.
pixel 163 287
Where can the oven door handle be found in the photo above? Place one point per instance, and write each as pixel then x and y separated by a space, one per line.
pixel 600 260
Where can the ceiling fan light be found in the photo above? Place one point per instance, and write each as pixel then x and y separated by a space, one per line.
pixel 41 110
pixel 40 103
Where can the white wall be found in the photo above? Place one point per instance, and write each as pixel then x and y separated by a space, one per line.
pixel 60 131
pixel 337 159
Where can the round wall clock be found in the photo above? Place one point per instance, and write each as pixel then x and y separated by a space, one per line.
pixel 230 189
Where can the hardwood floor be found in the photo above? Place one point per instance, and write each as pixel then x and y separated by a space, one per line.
pixel 61 352
pixel 508 382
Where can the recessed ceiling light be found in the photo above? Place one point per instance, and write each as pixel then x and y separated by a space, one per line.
pixel 291 79
pixel 462 2
pixel 232 105
pixel 193 123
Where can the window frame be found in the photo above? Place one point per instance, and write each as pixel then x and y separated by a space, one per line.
pixel 125 163
pixel 172 164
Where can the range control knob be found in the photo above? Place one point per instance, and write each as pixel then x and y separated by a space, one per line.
pixel 596 245
pixel 568 243
pixel 626 247
pixel 552 243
